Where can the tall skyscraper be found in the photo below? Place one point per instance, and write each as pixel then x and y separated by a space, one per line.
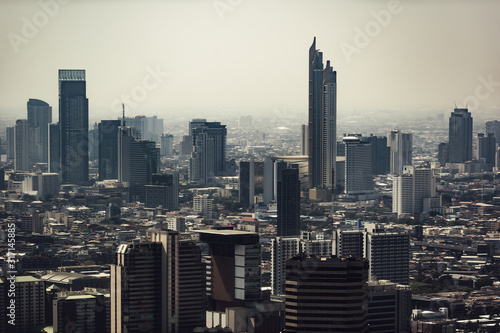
pixel 39 118
pixel 381 154
pixel 486 149
pixel 54 148
pixel 493 127
pixel 208 157
pixel 157 285
pixel 460 136
pixel 74 126
pixel 108 149
pixel 326 294
pixel 22 149
pixel 9 134
pixel 358 166
pixel 400 145
pixel 149 128
pixel 322 126
pixel 282 249
pixel 247 183
pixel 443 153
pixel 167 145
pixel 288 201
pixel 411 188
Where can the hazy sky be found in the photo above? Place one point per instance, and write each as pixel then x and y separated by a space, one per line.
pixel 250 56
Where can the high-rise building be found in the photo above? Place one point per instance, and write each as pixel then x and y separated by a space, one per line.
pixel 138 160
pixel 389 307
pixel 381 154
pixel 203 205
pixel 208 156
pixel 282 249
pixel 235 271
pixel 288 202
pixel 401 150
pixel 54 148
pixel 326 294
pixel 9 133
pixel 388 254
pixel 411 188
pixel 48 185
pixel 94 143
pixel 108 149
pixel 29 306
pixel 493 127
pixel 163 191
pixel 149 128
pixel 349 243
pixel 247 183
pixel 322 126
pixel 486 149
pixel 358 166
pixel 304 136
pixel 167 145
pixel 460 136
pixel 39 118
pixel 74 126
pixel 22 149
pixel 443 153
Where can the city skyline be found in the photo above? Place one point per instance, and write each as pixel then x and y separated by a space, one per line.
pixel 211 41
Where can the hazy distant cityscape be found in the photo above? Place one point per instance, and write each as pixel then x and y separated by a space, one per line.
pixel 187 204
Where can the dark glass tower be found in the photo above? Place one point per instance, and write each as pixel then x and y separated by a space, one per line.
pixel 108 149
pixel 381 154
pixel 460 136
pixel 74 126
pixel 288 203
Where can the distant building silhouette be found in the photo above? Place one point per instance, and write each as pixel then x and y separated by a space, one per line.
pixel 39 118
pixel 401 150
pixel 460 136
pixel 167 145
pixel 22 146
pixel 381 154
pixel 108 149
pixel 486 149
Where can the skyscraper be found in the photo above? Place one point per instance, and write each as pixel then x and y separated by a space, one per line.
pixel 493 127
pixel 486 149
pixel 460 136
pixel 381 154
pixel 322 126
pixel 9 134
pixel 39 118
pixel 401 150
pixel 358 166
pixel 74 126
pixel 411 188
pixel 108 149
pixel 22 149
pixel 208 157
pixel 326 294
pixel 54 148
pixel 288 201
pixel 167 145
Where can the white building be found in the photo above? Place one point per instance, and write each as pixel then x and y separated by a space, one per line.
pixel 203 205
pixel 411 188
pixel 401 150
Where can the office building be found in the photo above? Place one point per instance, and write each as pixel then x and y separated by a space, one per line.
pixel 388 254
pixel 493 127
pixel 167 145
pixel 48 185
pixel 460 136
pixel 411 188
pixel 443 153
pixel 203 205
pixel 138 160
pixel 235 271
pixel 304 137
pixel 288 202
pixel 349 243
pixel 389 307
pixel 136 288
pixel 358 166
pixel 74 127
pixel 251 182
pixel 94 143
pixel 29 304
pixel 282 249
pixel 401 150
pixel 22 149
pixel 9 134
pixel 163 191
pixel 39 118
pixel 381 154
pixel 108 149
pixel 54 148
pixel 149 128
pixel 486 149
pixel 208 156
pixel 88 312
pixel 322 125
pixel 326 294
